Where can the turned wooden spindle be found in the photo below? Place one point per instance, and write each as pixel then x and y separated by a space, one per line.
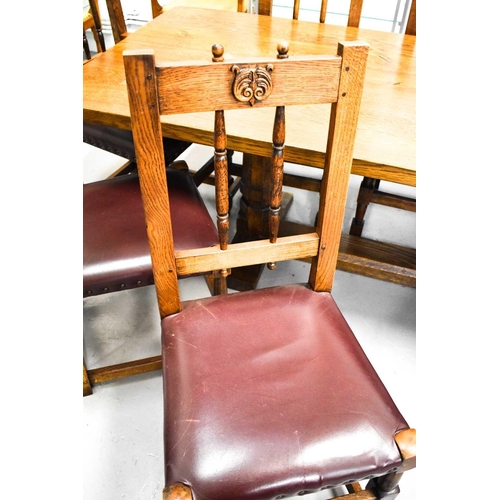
pixel 277 173
pixel 221 179
pixel 277 164
pixel 221 170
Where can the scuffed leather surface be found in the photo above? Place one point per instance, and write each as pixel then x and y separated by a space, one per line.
pixel 120 142
pixel 115 243
pixel 268 393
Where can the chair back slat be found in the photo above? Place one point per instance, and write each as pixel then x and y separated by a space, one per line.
pixel 156 8
pixel 355 13
pixel 216 85
pixel 265 7
pixel 354 17
pixel 152 91
pixel 322 13
pixel 411 24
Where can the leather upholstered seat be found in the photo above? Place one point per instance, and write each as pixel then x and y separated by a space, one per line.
pixel 263 385
pixel 267 393
pixel 116 249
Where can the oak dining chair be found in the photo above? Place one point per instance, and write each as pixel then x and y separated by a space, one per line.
pixel 116 254
pixel 267 393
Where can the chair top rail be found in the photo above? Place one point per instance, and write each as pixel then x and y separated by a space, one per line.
pixel 249 82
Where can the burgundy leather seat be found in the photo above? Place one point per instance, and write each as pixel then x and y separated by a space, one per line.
pixel 115 244
pixel 271 384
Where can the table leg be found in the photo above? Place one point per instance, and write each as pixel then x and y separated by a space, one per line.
pixel 253 216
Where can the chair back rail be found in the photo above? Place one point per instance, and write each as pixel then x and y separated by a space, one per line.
pixel 211 85
pixel 155 90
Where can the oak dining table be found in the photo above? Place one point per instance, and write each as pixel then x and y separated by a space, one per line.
pixel 385 146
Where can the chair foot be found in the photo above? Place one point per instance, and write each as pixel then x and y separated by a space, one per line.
pixel 381 493
pixel 356 227
pixel 365 194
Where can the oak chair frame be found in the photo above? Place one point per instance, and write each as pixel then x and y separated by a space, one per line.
pixel 155 90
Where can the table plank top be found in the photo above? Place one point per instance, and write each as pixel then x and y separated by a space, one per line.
pixel 385 145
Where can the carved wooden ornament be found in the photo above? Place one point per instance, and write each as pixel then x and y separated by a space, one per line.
pixel 252 84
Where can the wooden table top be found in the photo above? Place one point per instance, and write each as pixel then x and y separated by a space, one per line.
pixel 385 142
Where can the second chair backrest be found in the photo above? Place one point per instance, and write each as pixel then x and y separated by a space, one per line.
pixel 354 17
pixel 158 89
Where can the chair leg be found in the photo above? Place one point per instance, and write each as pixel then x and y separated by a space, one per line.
pixel 86 47
pixel 87 387
pixel 386 486
pixel 177 491
pixel 365 194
